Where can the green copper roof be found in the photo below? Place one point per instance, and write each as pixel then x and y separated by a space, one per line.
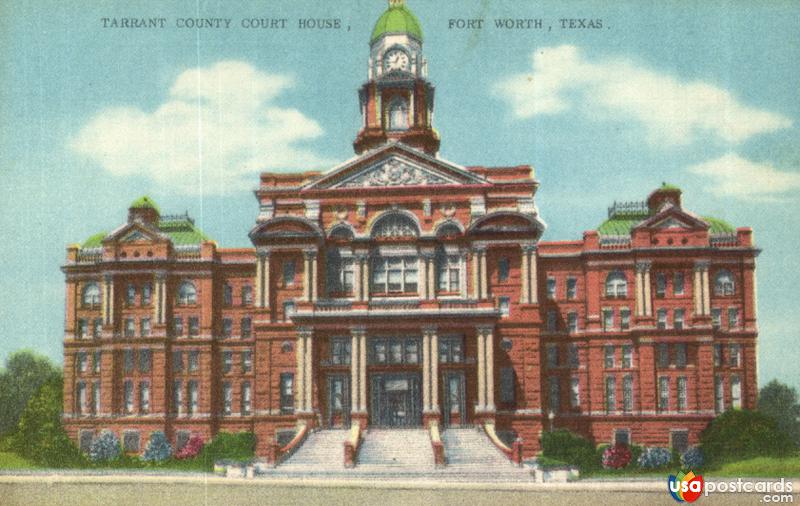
pixel 623 226
pixel 182 231
pixel 397 19
pixel 94 241
pixel 718 226
pixel 667 186
pixel 143 203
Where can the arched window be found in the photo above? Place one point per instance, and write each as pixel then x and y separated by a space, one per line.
pixel 616 285
pixel 395 225
pixel 187 293
pixel 341 232
pixel 91 294
pixel 398 114
pixel 448 230
pixel 724 283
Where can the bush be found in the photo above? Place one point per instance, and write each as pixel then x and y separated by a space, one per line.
pixel 105 447
pixel 569 447
pixel 239 446
pixel 158 448
pixel 654 458
pixel 742 434
pixel 192 447
pixel 692 458
pixel 617 456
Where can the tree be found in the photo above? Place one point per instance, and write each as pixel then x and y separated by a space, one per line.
pixel 25 372
pixel 40 437
pixel 781 403
pixel 741 434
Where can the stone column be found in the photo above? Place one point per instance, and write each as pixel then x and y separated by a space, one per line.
pixel 355 400
pixel 639 287
pixel 462 275
pixel 697 291
pixel 258 288
pixel 426 371
pixel 108 300
pixel 357 279
pixel 160 298
pixel 702 299
pixel 648 295
pixel 524 296
pixel 365 285
pixel 314 277
pixel 484 276
pixel 300 355
pixel 481 373
pixel 476 290
pixel 309 275
pixel 489 343
pixel 534 276
pixel 362 383
pixel 706 291
pixel 423 276
pixel 434 359
pixel 308 377
pixel 431 277
pixel 262 278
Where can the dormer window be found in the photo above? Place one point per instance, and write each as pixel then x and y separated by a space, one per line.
pixel 398 114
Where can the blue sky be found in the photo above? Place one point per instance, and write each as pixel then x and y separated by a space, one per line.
pixel 700 94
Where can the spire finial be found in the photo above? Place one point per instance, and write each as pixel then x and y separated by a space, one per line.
pixel 396 3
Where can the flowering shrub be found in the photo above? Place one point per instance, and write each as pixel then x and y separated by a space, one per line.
pixel 692 458
pixel 616 457
pixel 653 458
pixel 104 447
pixel 191 448
pixel 158 448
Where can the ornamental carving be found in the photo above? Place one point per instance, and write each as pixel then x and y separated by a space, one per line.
pixel 395 173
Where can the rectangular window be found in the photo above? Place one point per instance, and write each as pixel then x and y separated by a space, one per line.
pixel 227 361
pixel 679 440
pixel 411 351
pixel 95 397
pixel 340 351
pixel 127 393
pixel 145 360
pixel 130 441
pixel 663 355
pixel 247 361
pixel 622 437
pixel 246 327
pixel 97 328
pixel 144 327
pixel 247 395
pixel 572 322
pixel 144 397
pixel 83 328
pixel 574 393
pixel 288 310
pixel 80 396
pixel 247 295
pixel 395 351
pixel 661 322
pixel 716 317
pixel 678 283
pixel 551 288
pixel 130 295
pixel 735 355
pixel 717 355
pixel 661 285
pixel 627 393
pixel 177 327
pixel 289 272
pixel 627 356
pixel 130 327
pixel 194 397
pixel 181 438
pixel 624 318
pixel 227 295
pixel 677 318
pixel 194 326
pixel 82 361
pixel 611 394
pixel 552 356
pixel 507 385
pixel 736 392
pixel 379 351
pixel 227 327
pixel 287 393
pixel 85 440
pixel 608 319
pixel 572 351
pixel 680 355
pixel 177 361
pixel 97 361
pixel 451 349
pixel 552 320
pixel 572 288
pixel 503 269
pixel 663 393
pixel 127 360
pixel 394 274
pixel 733 317
pixel 227 398
pixel 504 304
pixel 719 394
pixel 554 388
pixel 147 294
pixel 449 270
pixel 194 360
pixel 681 393
pixel 608 353
pixel 177 397
pixel 340 274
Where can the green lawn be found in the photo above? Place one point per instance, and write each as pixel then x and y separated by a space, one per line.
pixel 760 466
pixel 10 460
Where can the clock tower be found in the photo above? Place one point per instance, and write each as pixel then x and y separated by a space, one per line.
pixel 397 99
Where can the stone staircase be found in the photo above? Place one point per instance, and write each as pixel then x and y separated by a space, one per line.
pixel 396 451
pixel 470 453
pixel 321 452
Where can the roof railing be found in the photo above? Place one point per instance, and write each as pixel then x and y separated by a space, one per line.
pixel 633 208
pixel 176 217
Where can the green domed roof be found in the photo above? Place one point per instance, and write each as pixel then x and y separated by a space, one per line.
pixel 397 19
pixel 144 203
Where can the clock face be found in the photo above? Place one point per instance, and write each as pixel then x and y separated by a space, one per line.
pixel 395 59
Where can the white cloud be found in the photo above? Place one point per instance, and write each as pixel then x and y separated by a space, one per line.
pixel 734 176
pixel 217 130
pixel 671 111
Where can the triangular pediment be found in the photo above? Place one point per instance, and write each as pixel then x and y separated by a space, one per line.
pixel 134 232
pixel 395 165
pixel 673 217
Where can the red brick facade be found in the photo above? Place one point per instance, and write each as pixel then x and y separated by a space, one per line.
pixel 399 288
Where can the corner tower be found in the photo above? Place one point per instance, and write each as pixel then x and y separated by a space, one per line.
pixel 397 99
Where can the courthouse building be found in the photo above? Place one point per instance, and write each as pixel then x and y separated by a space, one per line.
pixel 399 289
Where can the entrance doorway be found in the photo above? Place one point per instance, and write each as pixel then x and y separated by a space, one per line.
pixel 455 405
pixel 395 400
pixel 338 400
